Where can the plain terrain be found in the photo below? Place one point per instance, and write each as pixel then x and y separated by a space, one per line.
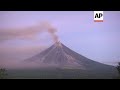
pixel 57 73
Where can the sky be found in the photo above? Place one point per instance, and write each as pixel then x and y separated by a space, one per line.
pixel 99 41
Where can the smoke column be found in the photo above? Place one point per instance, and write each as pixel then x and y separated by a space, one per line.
pixel 28 32
pixel 51 30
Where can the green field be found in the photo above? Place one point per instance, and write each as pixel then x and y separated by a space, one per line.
pixel 57 74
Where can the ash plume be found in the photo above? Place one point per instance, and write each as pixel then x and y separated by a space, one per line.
pixel 51 30
pixel 28 33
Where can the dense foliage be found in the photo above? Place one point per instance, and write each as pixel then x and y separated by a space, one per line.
pixel 3 73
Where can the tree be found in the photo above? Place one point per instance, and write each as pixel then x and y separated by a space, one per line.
pixel 118 67
pixel 3 73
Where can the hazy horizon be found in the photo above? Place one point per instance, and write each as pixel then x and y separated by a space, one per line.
pixel 75 29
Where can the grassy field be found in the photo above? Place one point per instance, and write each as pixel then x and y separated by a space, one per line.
pixel 57 74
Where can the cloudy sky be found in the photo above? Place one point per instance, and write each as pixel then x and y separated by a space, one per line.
pixel 21 35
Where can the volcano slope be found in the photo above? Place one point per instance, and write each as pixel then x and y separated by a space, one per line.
pixel 58 61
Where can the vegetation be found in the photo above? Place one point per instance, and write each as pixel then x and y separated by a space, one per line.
pixel 118 68
pixel 3 73
pixel 57 73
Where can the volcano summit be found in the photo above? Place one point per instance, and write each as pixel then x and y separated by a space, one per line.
pixel 60 56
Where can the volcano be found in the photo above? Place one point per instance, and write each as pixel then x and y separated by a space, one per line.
pixel 60 56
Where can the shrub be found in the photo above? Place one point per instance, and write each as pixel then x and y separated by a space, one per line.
pixel 3 73
pixel 118 68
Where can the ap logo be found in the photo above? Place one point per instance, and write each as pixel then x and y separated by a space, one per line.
pixel 98 16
